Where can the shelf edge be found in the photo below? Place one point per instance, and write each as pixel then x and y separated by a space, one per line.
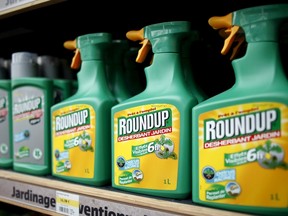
pixel 118 197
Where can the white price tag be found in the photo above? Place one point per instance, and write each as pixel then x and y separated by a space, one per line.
pixel 67 203
pixel 7 4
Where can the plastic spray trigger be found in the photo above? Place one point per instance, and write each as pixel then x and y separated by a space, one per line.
pixel 76 61
pixel 146 46
pixel 239 39
pixel 142 53
pixel 229 32
pixel 232 35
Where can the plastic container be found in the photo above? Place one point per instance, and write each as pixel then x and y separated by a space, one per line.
pixel 81 143
pixel 50 67
pixel 190 70
pixel 116 70
pixel 69 74
pixel 151 142
pixel 240 152
pixel 134 72
pixel 32 97
pixel 6 147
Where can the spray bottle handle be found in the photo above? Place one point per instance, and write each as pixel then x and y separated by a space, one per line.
pixel 229 32
pixel 232 35
pixel 136 35
pixel 76 61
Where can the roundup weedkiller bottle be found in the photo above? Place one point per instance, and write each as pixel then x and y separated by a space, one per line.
pixel 189 70
pixel 116 70
pixel 240 136
pixel 31 102
pixel 81 143
pixel 49 66
pixel 134 72
pixel 151 139
pixel 6 146
pixel 69 74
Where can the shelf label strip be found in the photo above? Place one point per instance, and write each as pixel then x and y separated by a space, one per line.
pixel 68 203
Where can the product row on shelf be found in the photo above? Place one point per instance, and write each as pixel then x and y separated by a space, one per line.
pixel 135 119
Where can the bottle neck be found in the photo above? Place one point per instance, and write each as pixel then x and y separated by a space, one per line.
pixel 261 66
pixel 189 74
pixel 116 78
pixel 92 76
pixel 165 72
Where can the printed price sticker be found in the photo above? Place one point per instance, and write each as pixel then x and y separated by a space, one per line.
pixel 67 203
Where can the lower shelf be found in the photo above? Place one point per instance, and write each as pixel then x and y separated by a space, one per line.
pixel 56 197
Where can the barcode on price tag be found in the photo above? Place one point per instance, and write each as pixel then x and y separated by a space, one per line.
pixel 67 203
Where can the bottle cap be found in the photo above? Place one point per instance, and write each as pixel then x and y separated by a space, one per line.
pixel 24 64
pixel 49 66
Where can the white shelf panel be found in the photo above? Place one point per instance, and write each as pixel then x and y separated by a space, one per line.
pixel 11 7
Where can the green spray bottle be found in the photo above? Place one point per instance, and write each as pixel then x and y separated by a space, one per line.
pixel 188 65
pixel 116 70
pixel 134 72
pixel 31 102
pixel 6 147
pixel 240 150
pixel 69 74
pixel 81 143
pixel 151 139
pixel 49 66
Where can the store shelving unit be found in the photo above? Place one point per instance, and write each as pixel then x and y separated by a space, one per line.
pixel 11 7
pixel 18 189
pixel 42 26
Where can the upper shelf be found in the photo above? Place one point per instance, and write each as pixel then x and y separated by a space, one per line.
pixel 11 7
pixel 42 26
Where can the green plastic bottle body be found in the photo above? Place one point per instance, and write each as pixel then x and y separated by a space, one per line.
pixel 91 164
pixel 239 138
pixel 81 144
pixel 54 68
pixel 151 134
pixel 31 103
pixel 134 72
pixel 69 74
pixel 116 70
pixel 6 147
pixel 63 89
pixel 189 61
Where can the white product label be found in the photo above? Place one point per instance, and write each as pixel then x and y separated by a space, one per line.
pixel 67 203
